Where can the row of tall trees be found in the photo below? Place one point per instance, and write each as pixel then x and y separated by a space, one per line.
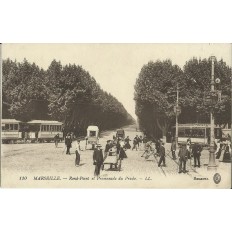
pixel 155 94
pixel 66 93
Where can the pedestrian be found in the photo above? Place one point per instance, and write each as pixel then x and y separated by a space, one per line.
pixel 127 143
pixel 217 152
pixel 227 155
pixel 122 153
pixel 189 147
pixel 157 146
pixel 173 149
pixel 145 140
pixel 56 139
pixel 140 141
pixel 183 157
pixel 107 148
pixel 118 145
pixel 135 143
pixel 147 149
pixel 68 143
pixel 162 155
pixel 78 152
pixel 97 159
pixel 197 154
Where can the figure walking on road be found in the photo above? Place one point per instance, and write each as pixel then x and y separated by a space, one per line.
pixel 197 154
pixel 56 139
pixel 183 157
pixel 173 149
pixel 78 153
pixel 127 143
pixel 135 143
pixel 162 155
pixel 68 143
pixel 188 147
pixel 97 159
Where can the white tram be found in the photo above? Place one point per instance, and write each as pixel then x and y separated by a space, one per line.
pixel 10 131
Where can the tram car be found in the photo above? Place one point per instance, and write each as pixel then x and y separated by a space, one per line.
pixel 44 130
pixel 199 133
pixel 10 131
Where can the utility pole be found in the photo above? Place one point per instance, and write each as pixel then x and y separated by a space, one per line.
pixel 212 165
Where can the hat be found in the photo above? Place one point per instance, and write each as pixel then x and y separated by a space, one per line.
pixel 99 145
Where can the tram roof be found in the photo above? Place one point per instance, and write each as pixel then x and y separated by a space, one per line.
pixel 10 121
pixel 199 125
pixel 44 122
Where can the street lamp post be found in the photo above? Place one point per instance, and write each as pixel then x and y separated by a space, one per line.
pixel 177 111
pixel 212 165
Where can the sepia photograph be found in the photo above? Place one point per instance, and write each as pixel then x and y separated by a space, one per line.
pixel 116 115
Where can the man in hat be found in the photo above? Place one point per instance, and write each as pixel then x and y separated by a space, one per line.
pixel 68 143
pixel 196 154
pixel 162 155
pixel 107 148
pixel 97 159
pixel 183 156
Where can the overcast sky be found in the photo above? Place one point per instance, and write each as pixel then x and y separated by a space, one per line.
pixel 114 66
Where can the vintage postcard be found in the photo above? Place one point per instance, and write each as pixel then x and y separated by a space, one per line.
pixel 116 115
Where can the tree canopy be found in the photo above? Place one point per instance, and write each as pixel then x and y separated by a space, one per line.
pixel 65 93
pixel 155 94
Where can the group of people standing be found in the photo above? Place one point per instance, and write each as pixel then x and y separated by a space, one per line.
pixel 115 147
pixel 223 148
pixel 186 151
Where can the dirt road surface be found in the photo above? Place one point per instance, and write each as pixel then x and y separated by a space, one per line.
pixel 44 165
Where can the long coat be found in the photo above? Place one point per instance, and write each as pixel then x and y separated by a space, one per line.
pixel 98 156
pixel 173 146
pixel 162 151
pixel 196 150
pixel 68 141
pixel 183 153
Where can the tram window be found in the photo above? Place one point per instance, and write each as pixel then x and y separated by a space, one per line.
pixel 188 132
pixel 3 127
pixel 11 126
pixel 92 133
pixel 47 127
pixel 197 133
pixel 7 126
pixel 217 133
pixel 181 133
pixel 16 127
